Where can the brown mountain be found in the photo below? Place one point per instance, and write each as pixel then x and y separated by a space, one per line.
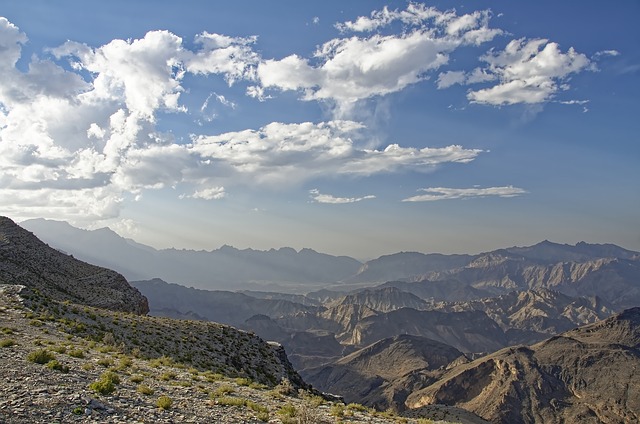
pixel 383 299
pixel 214 305
pixel 534 315
pixel 385 373
pixel 25 260
pixel 587 375
pixel 467 331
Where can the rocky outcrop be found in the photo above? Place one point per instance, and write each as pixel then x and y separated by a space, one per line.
pixel 25 260
pixel 587 375
pixel 383 300
pixel 533 315
pixel 471 332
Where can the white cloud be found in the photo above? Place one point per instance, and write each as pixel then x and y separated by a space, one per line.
pixel 327 198
pixel 532 71
pixel 292 153
pixel 443 193
pixel 347 70
pixel 221 54
pixel 449 78
pixel 211 193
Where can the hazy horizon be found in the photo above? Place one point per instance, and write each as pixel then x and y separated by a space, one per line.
pixel 358 129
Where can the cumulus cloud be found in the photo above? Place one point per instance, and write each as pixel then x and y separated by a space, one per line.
pixel 327 198
pixel 75 145
pixel 526 71
pixel 347 70
pixel 444 193
pixel 292 153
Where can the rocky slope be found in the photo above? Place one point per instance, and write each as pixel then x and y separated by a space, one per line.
pixel 587 375
pixel 25 260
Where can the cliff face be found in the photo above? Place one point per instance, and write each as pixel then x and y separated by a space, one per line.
pixel 27 261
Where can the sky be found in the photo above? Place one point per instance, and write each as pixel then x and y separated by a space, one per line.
pixel 356 128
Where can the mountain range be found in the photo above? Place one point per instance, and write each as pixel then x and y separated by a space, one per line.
pixel 604 270
pixel 518 335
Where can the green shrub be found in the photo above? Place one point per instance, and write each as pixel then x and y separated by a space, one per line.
pixel 40 356
pixel 145 390
pixel 7 342
pixel 77 353
pixel 263 416
pixel 57 366
pixel 137 378
pixel 243 381
pixel 168 376
pixel 164 402
pixel 356 407
pixel 105 362
pixel 60 349
pixel 225 389
pixel 106 384
pixel 254 406
pixel 337 410
pixel 288 410
pixel 231 401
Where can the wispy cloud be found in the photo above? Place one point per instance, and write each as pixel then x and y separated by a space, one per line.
pixel 444 193
pixel 211 193
pixel 327 198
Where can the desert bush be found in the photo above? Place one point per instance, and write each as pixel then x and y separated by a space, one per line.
pixel 231 401
pixel 57 366
pixel 77 353
pixel 7 342
pixel 288 410
pixel 40 356
pixel 164 402
pixel 105 362
pixel 337 410
pixel 145 390
pixel 106 384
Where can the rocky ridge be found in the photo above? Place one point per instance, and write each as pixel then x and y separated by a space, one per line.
pixel 25 260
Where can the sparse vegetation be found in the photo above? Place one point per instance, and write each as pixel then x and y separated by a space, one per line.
pixel 164 402
pixel 57 366
pixel 106 384
pixel 40 356
pixel 145 390
pixel 77 353
pixel 7 342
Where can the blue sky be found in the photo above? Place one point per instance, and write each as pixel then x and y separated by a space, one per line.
pixel 358 128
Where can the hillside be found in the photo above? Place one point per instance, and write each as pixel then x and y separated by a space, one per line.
pixel 25 260
pixel 587 375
